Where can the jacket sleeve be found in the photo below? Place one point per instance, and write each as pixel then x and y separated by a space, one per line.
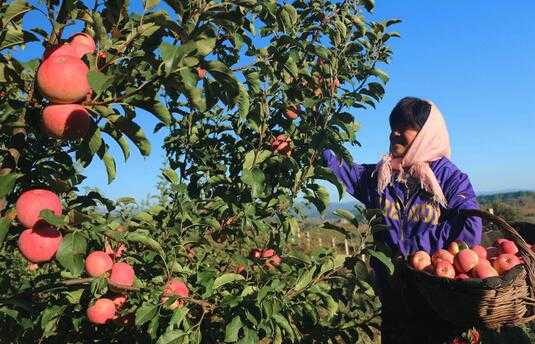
pixel 349 176
pixel 460 195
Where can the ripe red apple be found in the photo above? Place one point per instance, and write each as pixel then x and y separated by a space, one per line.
pixel 505 262
pixel 98 263
pixel 63 79
pixel 256 253
pixel 122 274
pixel 268 253
pixel 481 251
pixel 442 254
pixel 444 269
pixel 66 120
pixel 102 311
pixel 420 260
pixel 175 287
pixel 61 50
pixel 40 243
pixel 240 269
pixel 453 248
pixel 201 72
pixel 465 260
pixel 276 260
pixel 508 247
pixel 120 300
pixel 83 44
pixel 30 204
pixel 484 270
pixel 281 144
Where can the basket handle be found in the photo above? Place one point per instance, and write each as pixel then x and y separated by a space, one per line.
pixel 524 248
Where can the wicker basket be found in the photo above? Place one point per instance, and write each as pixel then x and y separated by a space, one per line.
pixel 491 303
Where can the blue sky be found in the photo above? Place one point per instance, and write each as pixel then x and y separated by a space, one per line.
pixel 475 60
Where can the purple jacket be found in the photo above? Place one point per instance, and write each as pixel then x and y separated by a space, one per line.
pixel 413 223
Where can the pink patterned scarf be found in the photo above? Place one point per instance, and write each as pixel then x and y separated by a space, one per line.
pixel 431 143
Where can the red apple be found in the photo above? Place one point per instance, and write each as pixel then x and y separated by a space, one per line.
pixel 420 260
pixel 484 270
pixel 444 269
pixel 481 251
pixel 508 247
pixel 442 254
pixel 465 260
pixel 505 262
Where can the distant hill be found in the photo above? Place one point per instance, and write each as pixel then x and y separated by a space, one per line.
pixel 507 197
pixel 522 201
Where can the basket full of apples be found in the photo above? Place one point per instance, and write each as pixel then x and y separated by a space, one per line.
pixel 478 286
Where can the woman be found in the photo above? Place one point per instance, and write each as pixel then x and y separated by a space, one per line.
pixel 421 192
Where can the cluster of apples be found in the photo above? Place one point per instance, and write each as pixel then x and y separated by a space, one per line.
pixel 282 144
pixel 461 262
pixel 62 78
pixel 268 256
pixel 40 241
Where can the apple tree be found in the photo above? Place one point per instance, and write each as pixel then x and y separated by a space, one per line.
pixel 249 93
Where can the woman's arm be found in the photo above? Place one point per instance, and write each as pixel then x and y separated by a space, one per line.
pixel 349 176
pixel 454 226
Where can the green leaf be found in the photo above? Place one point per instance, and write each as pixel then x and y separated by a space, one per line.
pixel 99 81
pixel 369 4
pixel 205 46
pixel 72 252
pixel 250 336
pixel 284 324
pixel 227 278
pixel 172 55
pixel 111 169
pixel 232 330
pixel 49 216
pixel 319 197
pixel 253 81
pixel 13 36
pixel 326 174
pixel 243 102
pixel 332 263
pixel 145 313
pixel 49 319
pixel 95 141
pixel 4 228
pixel 179 315
pixel 383 259
pixel 255 178
pixel 171 337
pixel 134 132
pixel 346 214
pixel 170 175
pixel 197 98
pixel 249 160
pixel 145 240
pixel 7 183
pixel 15 9
pixel 304 279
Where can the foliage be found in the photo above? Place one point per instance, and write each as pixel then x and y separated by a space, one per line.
pixel 225 191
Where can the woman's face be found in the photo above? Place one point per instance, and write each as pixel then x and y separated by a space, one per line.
pixel 400 141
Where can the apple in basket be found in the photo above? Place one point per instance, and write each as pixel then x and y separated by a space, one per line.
pixel 444 269
pixel 420 260
pixel 442 254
